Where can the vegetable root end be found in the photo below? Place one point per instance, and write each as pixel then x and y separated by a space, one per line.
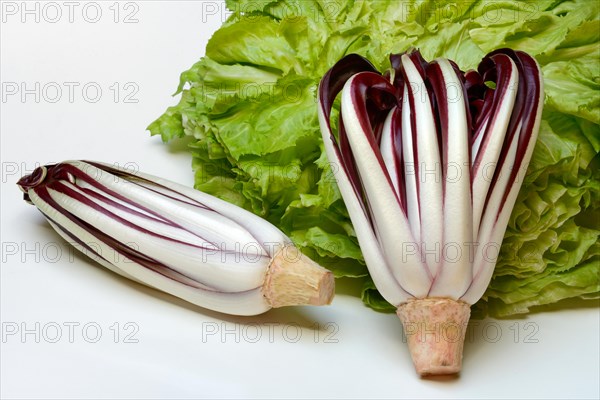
pixel 294 279
pixel 435 329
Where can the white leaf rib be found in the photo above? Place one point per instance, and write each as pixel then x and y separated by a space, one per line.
pixel 455 274
pixel 394 233
pixel 207 266
pixel 496 223
pixel 410 171
pixel 497 127
pixel 378 267
pixel 388 151
pixel 266 234
pixel 213 229
pixel 428 165
pixel 148 221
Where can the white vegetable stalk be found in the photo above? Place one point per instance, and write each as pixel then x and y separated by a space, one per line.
pixel 176 239
pixel 431 160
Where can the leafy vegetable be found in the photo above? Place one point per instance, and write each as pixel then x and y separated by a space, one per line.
pixel 250 105
pixel 431 162
pixel 175 239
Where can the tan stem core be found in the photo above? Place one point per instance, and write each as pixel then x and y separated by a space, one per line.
pixel 435 329
pixel 294 279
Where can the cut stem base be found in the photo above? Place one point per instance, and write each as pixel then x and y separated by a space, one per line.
pixel 294 279
pixel 435 329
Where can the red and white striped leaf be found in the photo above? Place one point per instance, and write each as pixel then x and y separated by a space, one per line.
pixel 454 274
pixel 431 160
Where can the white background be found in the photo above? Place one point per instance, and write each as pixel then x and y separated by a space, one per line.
pixel 73 330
